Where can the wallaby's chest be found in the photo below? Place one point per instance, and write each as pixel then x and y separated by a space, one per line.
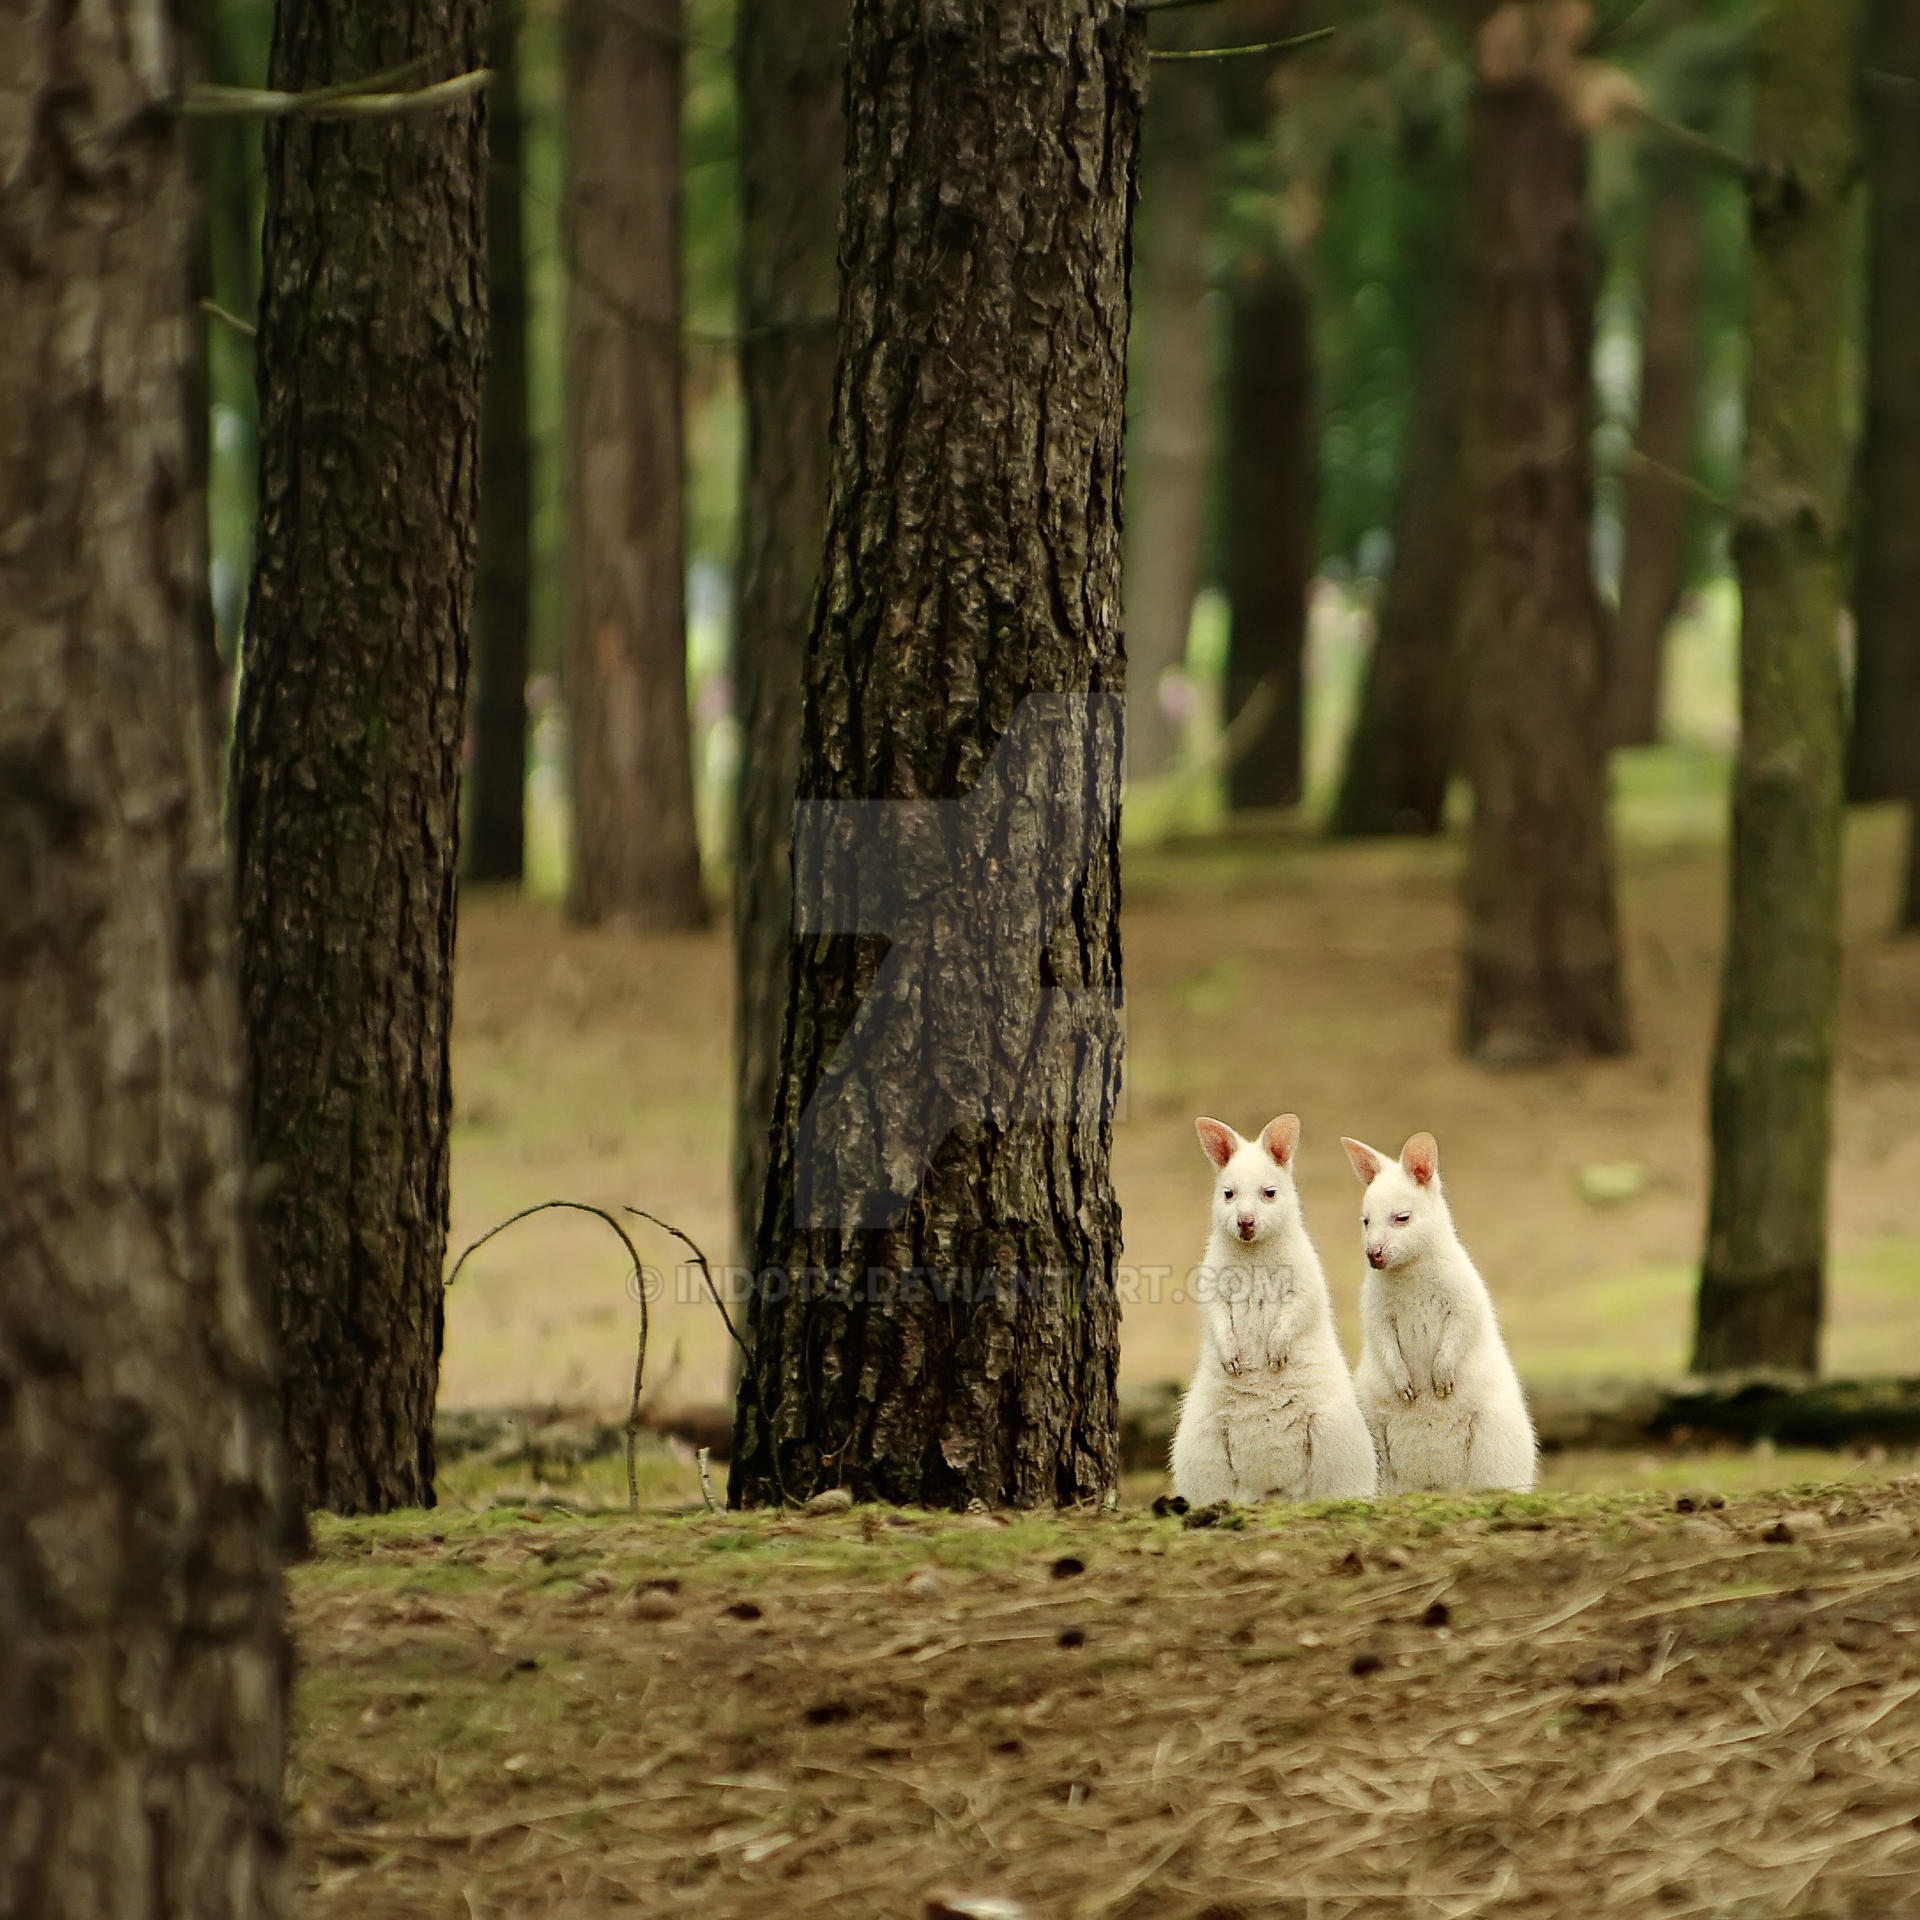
pixel 1418 1316
pixel 1249 1291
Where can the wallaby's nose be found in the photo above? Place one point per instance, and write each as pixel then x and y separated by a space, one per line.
pixel 1376 1254
pixel 1246 1226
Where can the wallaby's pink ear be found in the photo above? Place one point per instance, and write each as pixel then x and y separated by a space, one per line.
pixel 1421 1158
pixel 1366 1163
pixel 1281 1136
pixel 1219 1139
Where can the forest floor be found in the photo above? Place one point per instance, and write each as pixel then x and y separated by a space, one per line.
pixel 1563 1704
pixel 1615 1696
pixel 1266 971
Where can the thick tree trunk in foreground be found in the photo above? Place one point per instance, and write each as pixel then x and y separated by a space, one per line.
pixel 1167 454
pixel 502 609
pixel 791 58
pixel 1883 761
pixel 636 856
pixel 1763 1280
pixel 346 776
pixel 1542 963
pixel 1272 460
pixel 940 1195
pixel 143 1659
pixel 1406 730
pixel 1653 570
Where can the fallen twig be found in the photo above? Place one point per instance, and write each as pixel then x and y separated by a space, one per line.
pixel 1230 53
pixel 352 102
pixel 640 1293
pixel 245 328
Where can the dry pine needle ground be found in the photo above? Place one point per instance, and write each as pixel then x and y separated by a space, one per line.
pixel 1546 1705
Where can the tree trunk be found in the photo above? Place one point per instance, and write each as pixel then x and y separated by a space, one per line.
pixel 1883 760
pixel 226 161
pixel 791 58
pixel 1542 973
pixel 636 857
pixel 346 776
pixel 502 608
pixel 143 1654
pixel 1763 1280
pixel 1272 460
pixel 940 1195
pixel 1405 732
pixel 1884 757
pixel 1654 558
pixel 1167 460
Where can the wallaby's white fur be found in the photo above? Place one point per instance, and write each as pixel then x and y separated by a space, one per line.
pixel 1271 1410
pixel 1435 1382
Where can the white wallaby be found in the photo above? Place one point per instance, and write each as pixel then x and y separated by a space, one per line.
pixel 1435 1381
pixel 1271 1410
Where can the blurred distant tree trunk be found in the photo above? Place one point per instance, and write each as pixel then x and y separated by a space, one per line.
pixel 1405 731
pixel 969 603
pixel 1883 760
pixel 1542 957
pixel 1762 1284
pixel 1657 506
pixel 1271 461
pixel 791 59
pixel 502 611
pixel 226 155
pixel 143 1655
pixel 636 855
pixel 347 753
pixel 1167 457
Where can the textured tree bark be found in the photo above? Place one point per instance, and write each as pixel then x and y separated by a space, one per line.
pixel 1883 758
pixel 346 775
pixel 1167 455
pixel 502 609
pixel 1272 461
pixel 636 856
pixel 1542 964
pixel 1406 730
pixel 791 59
pixel 1656 513
pixel 1762 1283
pixel 947 1325
pixel 143 1655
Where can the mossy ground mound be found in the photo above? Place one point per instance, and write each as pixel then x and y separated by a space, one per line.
pixel 1557 1704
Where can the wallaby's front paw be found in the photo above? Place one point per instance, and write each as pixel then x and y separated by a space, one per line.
pixel 1443 1387
pixel 1408 1391
pixel 1232 1364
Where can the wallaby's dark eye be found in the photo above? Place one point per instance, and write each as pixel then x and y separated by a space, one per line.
pixel 1366 1219
pixel 1267 1193
pixel 1401 1219
pixel 1226 1193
